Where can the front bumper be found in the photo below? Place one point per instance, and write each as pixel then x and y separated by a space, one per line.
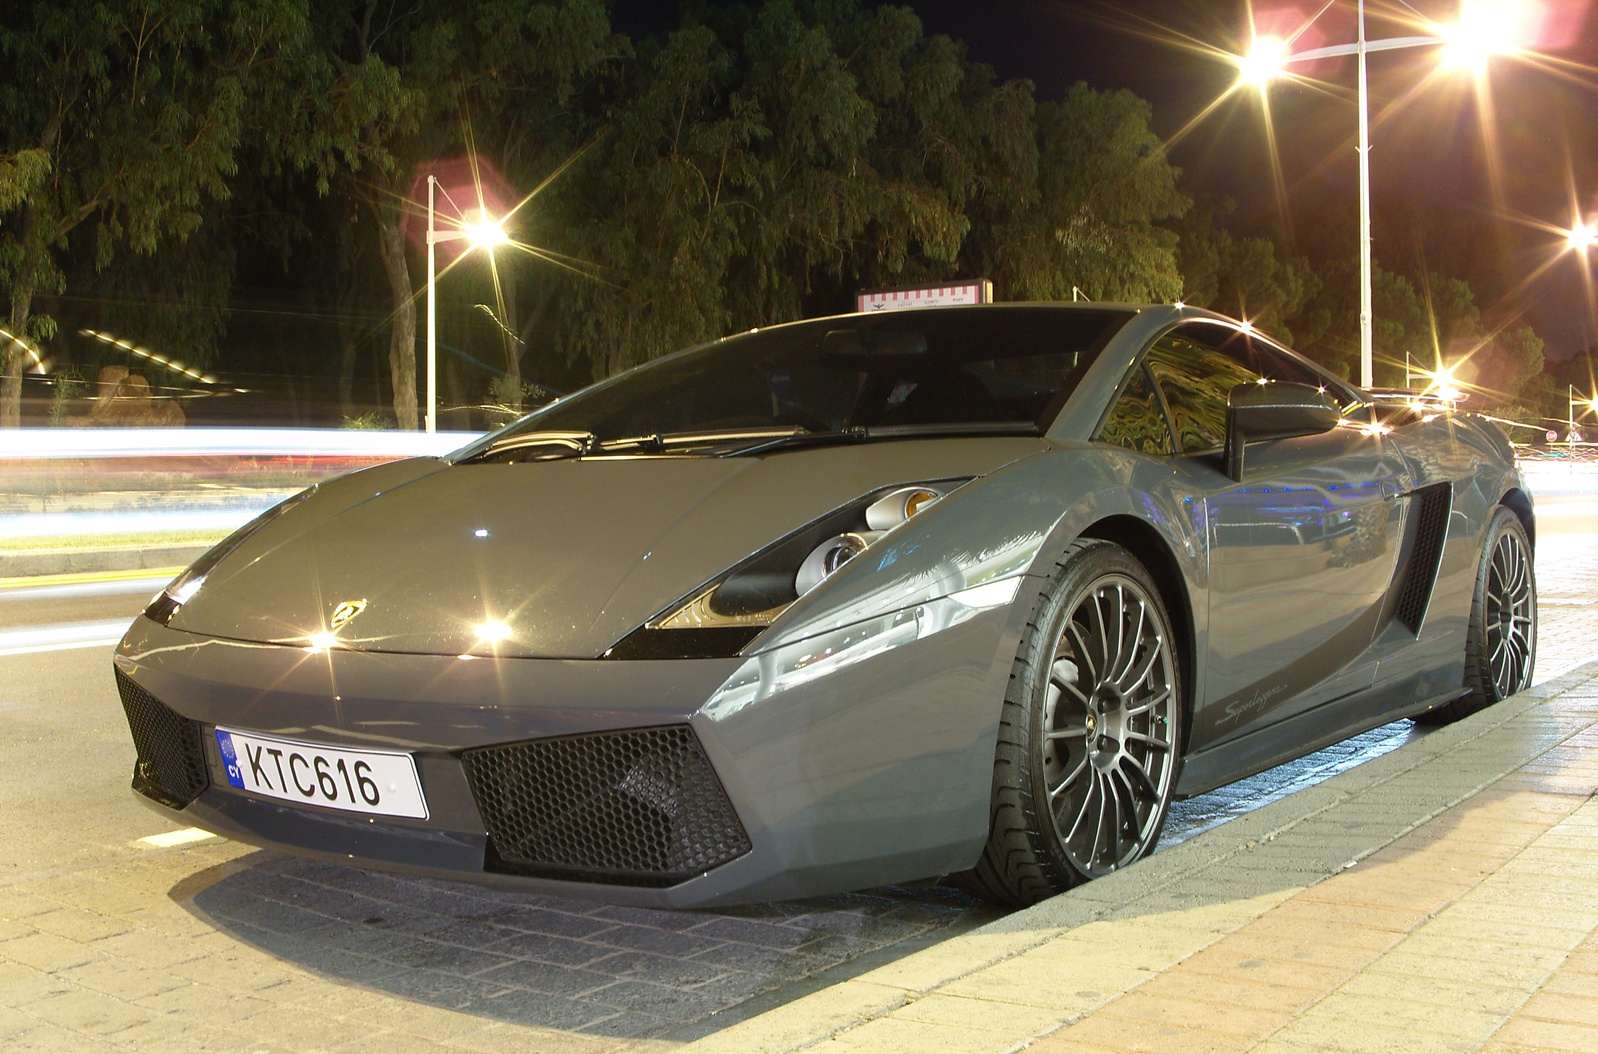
pixel 875 774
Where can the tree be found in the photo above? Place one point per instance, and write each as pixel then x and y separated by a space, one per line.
pixel 120 119
pixel 1242 277
pixel 403 84
pixel 944 124
pixel 20 174
pixel 1104 185
pixel 739 171
pixel 652 207
pixel 819 205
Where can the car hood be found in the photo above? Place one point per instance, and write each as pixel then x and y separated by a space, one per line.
pixel 570 555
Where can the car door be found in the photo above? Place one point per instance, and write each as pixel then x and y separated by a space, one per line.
pixel 1302 550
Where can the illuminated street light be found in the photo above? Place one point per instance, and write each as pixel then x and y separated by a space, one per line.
pixel 1571 435
pixel 1582 237
pixel 486 234
pixel 1441 380
pixel 1485 27
pixel 1265 61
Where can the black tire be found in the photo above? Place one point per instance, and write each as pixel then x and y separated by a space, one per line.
pixel 1501 639
pixel 1128 724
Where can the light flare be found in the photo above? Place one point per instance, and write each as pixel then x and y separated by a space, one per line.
pixel 487 234
pixel 1485 28
pixel 492 632
pixel 1266 61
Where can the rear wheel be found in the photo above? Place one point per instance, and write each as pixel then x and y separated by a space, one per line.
pixel 1089 741
pixel 1501 640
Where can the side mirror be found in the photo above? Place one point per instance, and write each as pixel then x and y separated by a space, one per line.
pixel 1280 410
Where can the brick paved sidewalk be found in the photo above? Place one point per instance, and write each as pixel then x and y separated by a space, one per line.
pixel 1441 898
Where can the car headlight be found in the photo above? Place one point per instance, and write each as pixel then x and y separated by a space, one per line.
pixel 721 617
pixel 787 666
pixel 165 604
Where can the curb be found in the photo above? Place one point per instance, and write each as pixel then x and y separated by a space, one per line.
pixel 28 563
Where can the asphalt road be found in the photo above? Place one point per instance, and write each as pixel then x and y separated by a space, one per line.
pixel 68 821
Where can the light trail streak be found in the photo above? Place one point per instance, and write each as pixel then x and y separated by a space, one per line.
pixel 62 637
pixel 60 525
pixel 29 443
pixel 26 346
pixel 147 585
pixel 148 355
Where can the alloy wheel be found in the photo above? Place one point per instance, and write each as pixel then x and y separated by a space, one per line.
pixel 1108 754
pixel 1510 598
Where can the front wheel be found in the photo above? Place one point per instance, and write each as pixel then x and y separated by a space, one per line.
pixel 1090 737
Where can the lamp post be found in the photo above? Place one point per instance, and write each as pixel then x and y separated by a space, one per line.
pixel 485 234
pixel 1476 36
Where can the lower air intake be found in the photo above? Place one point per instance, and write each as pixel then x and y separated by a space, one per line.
pixel 637 808
pixel 171 765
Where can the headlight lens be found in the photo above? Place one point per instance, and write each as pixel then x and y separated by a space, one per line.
pixel 830 555
pixel 889 511
pixel 723 616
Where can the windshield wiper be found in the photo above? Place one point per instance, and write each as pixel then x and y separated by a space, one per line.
pixel 559 445
pixel 802 438
pixel 661 441
pixel 860 435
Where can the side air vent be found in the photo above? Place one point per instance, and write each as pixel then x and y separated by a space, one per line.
pixel 171 765
pixel 641 807
pixel 1431 529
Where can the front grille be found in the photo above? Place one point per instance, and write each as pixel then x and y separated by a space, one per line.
pixel 1431 529
pixel 640 808
pixel 171 765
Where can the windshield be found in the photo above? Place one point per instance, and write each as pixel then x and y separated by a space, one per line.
pixel 943 367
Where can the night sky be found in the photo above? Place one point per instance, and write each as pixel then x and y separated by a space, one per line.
pixel 1429 141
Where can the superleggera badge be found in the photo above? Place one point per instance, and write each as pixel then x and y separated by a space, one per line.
pixel 346 610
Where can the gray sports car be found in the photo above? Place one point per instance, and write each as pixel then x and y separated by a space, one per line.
pixel 847 602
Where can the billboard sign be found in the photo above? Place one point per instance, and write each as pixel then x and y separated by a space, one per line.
pixel 976 291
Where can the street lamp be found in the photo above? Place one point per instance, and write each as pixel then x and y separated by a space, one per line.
pixel 487 233
pixel 1486 27
pixel 1587 404
pixel 1581 237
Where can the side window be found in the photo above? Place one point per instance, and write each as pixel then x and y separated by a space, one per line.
pixel 1195 380
pixel 1282 367
pixel 1136 420
pixel 1278 367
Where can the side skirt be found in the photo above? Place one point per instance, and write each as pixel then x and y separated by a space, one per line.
pixel 1304 734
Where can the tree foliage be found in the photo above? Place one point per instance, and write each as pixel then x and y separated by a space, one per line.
pixel 752 165
pixel 1246 277
pixel 120 122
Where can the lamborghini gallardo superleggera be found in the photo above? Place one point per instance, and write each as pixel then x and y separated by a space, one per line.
pixel 841 603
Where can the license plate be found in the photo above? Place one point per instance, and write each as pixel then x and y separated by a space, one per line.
pixel 365 781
